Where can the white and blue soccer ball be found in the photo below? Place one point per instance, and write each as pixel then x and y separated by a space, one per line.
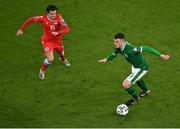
pixel 122 110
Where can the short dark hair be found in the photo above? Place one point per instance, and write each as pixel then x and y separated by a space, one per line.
pixel 51 8
pixel 119 36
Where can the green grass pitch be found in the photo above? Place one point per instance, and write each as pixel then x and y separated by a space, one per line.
pixel 86 95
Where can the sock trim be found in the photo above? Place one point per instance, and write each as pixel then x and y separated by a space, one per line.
pixel 46 62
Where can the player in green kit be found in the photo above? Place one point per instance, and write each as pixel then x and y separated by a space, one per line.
pixel 139 65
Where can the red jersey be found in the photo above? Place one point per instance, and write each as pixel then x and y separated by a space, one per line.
pixel 57 25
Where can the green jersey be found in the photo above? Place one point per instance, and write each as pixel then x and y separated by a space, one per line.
pixel 133 55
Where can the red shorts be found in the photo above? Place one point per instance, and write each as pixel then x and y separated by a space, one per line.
pixel 50 46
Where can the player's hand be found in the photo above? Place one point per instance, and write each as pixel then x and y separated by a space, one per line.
pixel 164 57
pixel 103 60
pixel 19 32
pixel 54 33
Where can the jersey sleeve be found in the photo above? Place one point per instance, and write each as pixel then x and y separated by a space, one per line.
pixel 61 21
pixel 148 49
pixel 34 19
pixel 113 54
pixel 151 50
pixel 65 28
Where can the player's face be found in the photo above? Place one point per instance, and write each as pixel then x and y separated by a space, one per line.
pixel 52 14
pixel 118 43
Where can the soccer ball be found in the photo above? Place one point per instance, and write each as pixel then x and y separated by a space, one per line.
pixel 122 109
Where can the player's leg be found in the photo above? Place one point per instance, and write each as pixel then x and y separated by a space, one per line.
pixel 47 61
pixel 49 57
pixel 63 59
pixel 60 50
pixel 132 79
pixel 61 56
pixel 132 91
pixel 138 80
pixel 145 90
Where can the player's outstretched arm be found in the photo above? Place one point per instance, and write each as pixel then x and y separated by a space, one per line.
pixel 164 57
pixel 110 57
pixel 155 52
pixel 151 50
pixel 19 32
pixel 33 19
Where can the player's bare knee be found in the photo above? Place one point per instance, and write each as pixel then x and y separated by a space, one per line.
pixel 126 84
pixel 51 59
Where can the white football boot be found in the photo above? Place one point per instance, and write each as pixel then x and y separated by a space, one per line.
pixel 41 74
pixel 67 63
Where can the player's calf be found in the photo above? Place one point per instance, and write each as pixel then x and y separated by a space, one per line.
pixel 132 91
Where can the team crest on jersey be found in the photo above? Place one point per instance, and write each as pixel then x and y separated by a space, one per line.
pixel 55 22
pixel 137 49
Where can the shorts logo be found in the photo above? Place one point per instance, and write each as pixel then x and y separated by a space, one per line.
pixel 131 76
pixel 46 49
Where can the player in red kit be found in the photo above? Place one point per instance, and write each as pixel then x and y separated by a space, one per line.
pixel 54 27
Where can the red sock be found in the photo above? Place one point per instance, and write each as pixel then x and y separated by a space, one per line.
pixel 43 67
pixel 62 58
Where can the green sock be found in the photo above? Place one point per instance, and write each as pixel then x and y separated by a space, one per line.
pixel 141 83
pixel 132 91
